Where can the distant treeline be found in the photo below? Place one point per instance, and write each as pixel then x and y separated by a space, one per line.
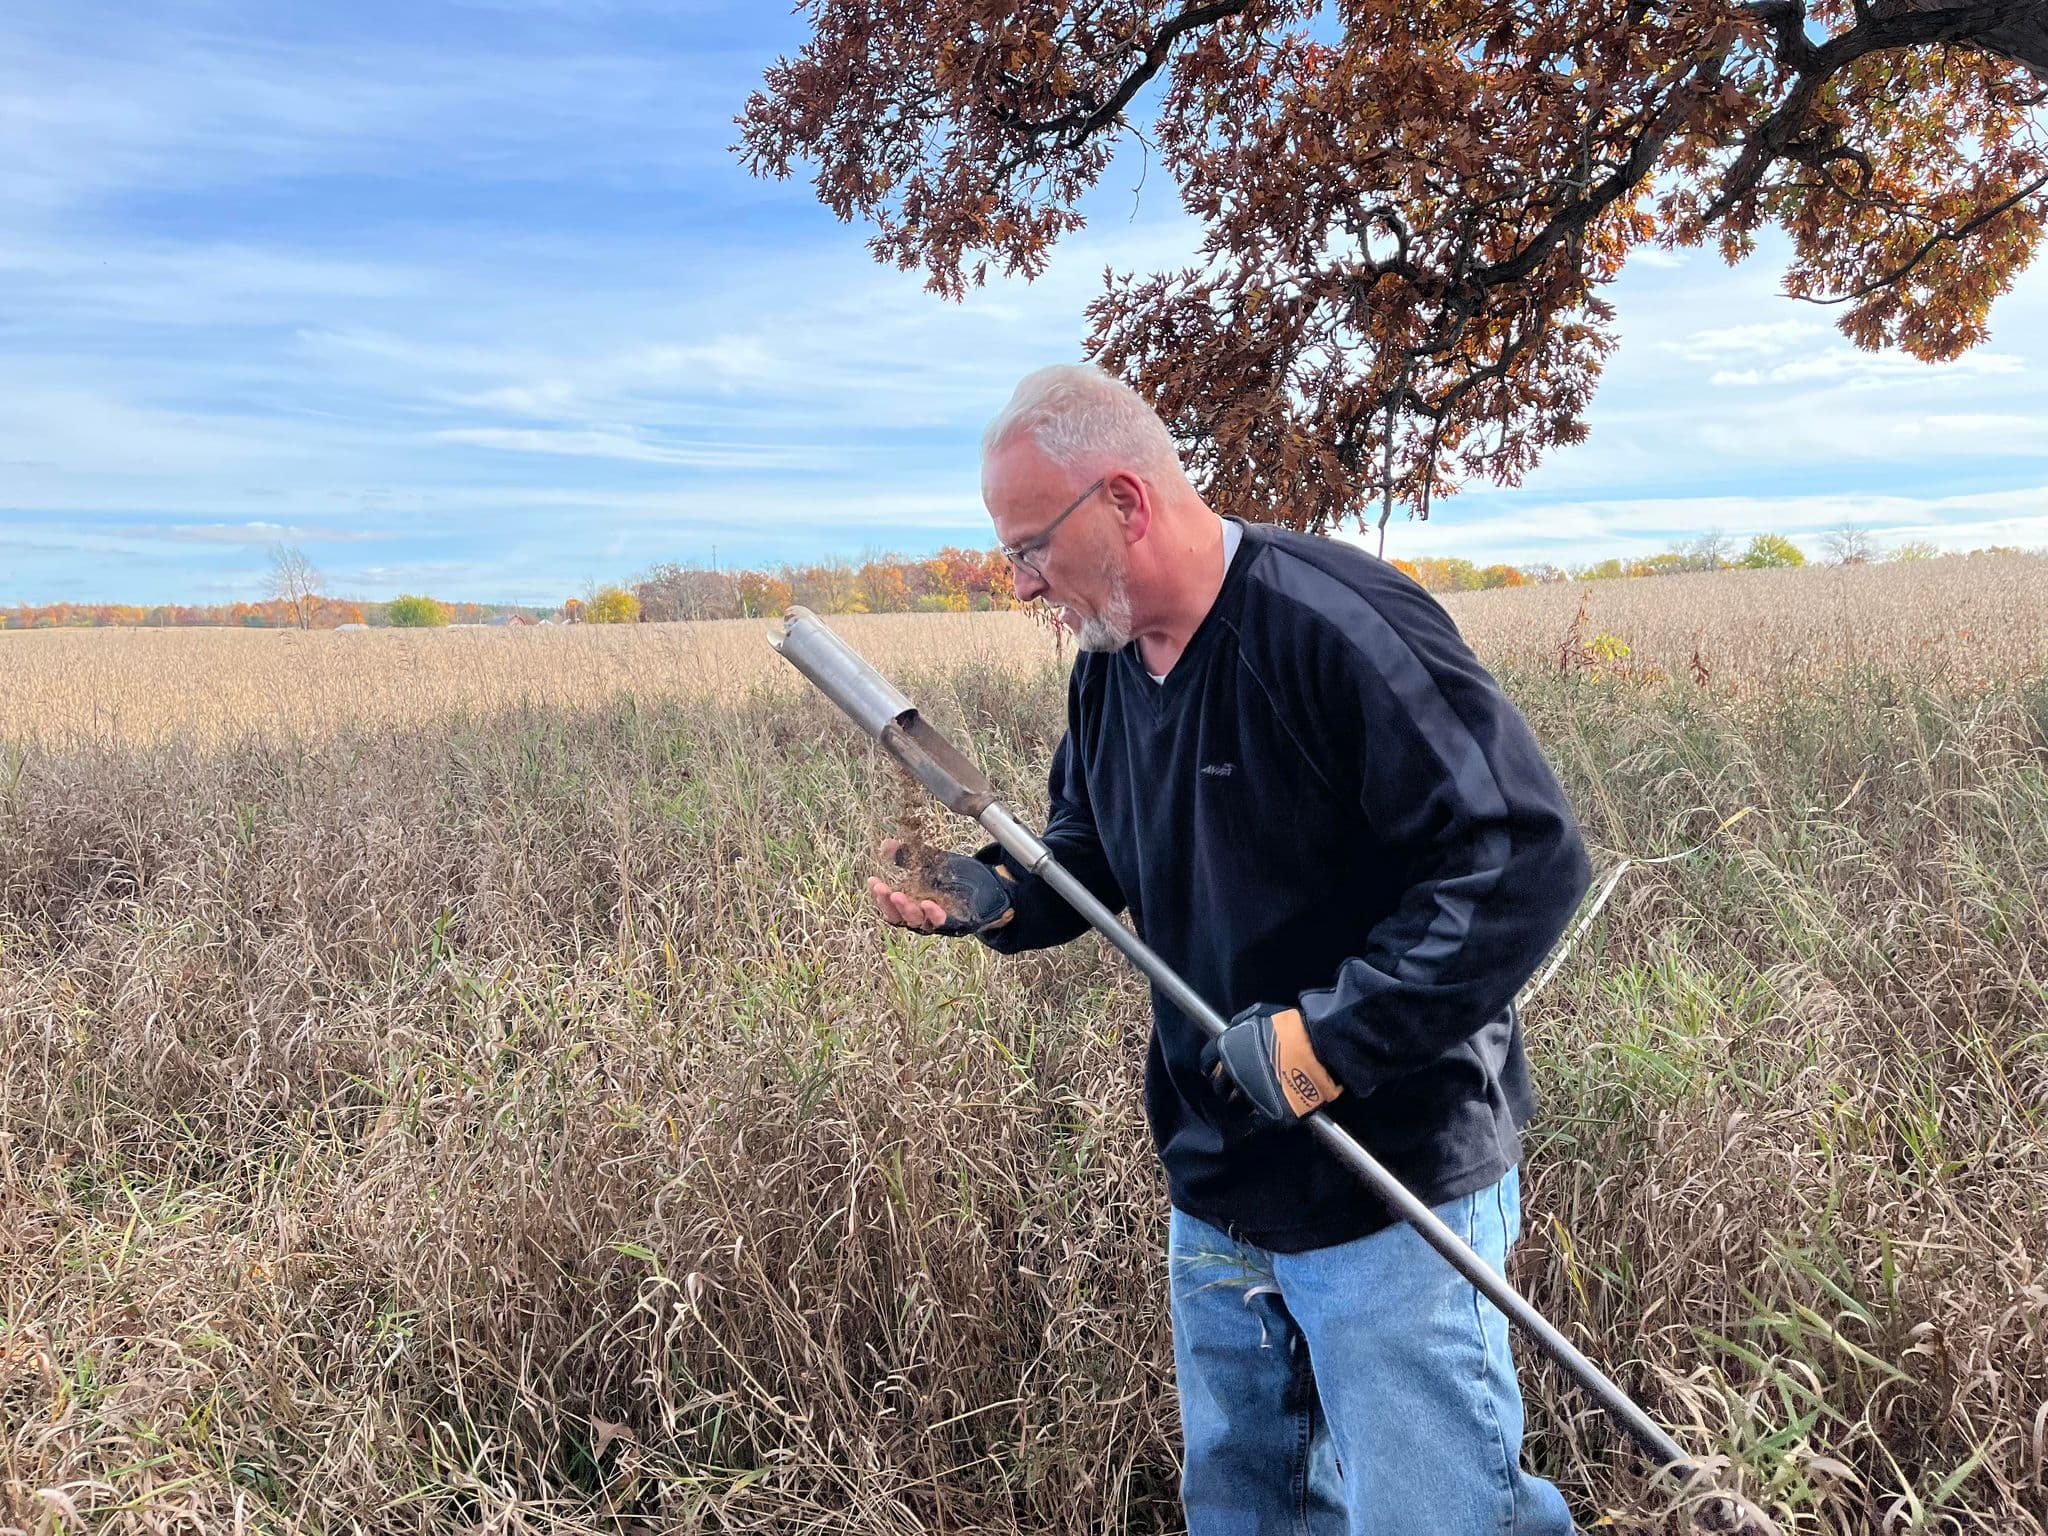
pixel 951 581
pixel 958 580
pixel 322 613
pixel 1712 552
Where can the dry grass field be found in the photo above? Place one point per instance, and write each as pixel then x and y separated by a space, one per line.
pixel 1981 617
pixel 1961 619
pixel 220 684
pixel 450 1083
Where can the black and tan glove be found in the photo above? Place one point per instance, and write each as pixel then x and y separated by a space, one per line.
pixel 1265 1058
pixel 976 896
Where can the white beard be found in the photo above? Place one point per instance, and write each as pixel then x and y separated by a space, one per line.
pixel 1110 627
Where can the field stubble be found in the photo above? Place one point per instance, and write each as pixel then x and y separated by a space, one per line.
pixel 511 1120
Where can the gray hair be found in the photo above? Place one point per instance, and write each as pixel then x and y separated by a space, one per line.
pixel 1084 419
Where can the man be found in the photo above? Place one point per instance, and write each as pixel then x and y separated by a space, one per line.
pixel 1321 810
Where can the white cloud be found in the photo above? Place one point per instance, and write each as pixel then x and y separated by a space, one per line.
pixel 1809 432
pixel 629 446
pixel 1657 256
pixel 88 110
pixel 1766 338
pixel 1566 533
pixel 1843 365
pixel 244 535
pixel 93 283
pixel 70 430
pixel 807 341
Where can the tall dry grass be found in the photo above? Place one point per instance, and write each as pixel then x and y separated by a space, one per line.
pixel 1966 619
pixel 514 1123
pixel 1971 619
pixel 224 684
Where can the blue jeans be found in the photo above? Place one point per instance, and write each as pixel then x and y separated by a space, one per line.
pixel 1363 1389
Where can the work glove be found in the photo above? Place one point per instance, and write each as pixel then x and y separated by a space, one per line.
pixel 976 896
pixel 1265 1059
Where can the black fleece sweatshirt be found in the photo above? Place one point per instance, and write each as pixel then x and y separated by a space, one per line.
pixel 1329 803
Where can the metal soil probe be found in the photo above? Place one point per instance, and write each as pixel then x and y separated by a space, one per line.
pixel 873 703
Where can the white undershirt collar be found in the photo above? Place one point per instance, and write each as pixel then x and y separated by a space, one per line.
pixel 1233 535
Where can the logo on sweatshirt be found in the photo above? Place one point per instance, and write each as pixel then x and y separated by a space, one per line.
pixel 1219 770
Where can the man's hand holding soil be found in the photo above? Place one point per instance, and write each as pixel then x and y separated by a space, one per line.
pixel 942 893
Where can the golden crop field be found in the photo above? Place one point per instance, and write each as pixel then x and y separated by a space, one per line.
pixel 212 684
pixel 1980 616
pixel 453 1082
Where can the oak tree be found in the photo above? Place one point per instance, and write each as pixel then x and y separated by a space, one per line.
pixel 1412 208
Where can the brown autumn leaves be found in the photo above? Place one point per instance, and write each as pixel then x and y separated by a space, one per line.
pixel 1413 209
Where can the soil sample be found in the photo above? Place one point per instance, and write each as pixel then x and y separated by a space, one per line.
pixel 920 871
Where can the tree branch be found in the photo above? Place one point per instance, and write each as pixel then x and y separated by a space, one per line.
pixel 1877 30
pixel 1938 238
pixel 1641 158
pixel 1083 123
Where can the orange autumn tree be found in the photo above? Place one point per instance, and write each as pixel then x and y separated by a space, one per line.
pixel 884 586
pixel 1413 208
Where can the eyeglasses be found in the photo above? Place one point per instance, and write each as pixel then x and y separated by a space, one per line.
pixel 1027 553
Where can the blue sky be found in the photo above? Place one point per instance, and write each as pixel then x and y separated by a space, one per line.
pixel 470 297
